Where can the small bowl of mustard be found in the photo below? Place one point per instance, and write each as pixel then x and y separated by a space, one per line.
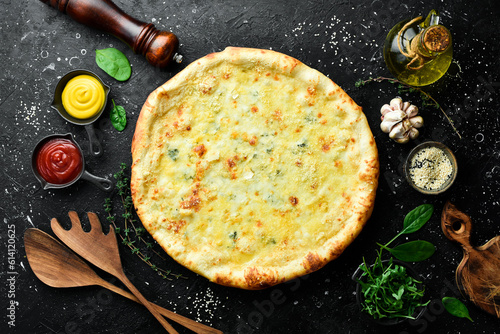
pixel 431 168
pixel 80 98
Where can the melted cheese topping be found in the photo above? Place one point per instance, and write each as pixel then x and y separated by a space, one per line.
pixel 245 167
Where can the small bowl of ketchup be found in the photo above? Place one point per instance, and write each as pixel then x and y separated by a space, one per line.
pixel 58 162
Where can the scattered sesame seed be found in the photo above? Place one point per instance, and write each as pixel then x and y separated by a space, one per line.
pixel 430 168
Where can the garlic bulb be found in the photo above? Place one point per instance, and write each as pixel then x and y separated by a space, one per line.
pixel 400 120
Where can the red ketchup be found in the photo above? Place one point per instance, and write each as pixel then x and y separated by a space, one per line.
pixel 59 161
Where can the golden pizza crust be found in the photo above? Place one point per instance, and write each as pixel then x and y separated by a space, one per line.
pixel 251 168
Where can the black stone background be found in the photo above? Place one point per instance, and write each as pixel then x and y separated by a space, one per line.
pixel 342 39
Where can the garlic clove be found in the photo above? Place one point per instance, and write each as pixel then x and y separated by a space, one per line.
pixel 417 121
pixel 412 111
pixel 395 115
pixel 406 124
pixel 386 126
pixel 413 133
pixel 396 103
pixel 405 106
pixel 397 132
pixel 402 140
pixel 385 109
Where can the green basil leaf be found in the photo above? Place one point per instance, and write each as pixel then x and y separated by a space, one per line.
pixel 118 117
pixel 413 251
pixel 456 308
pixel 113 62
pixel 417 218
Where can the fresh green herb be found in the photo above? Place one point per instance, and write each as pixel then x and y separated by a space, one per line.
pixel 417 218
pixel 413 251
pixel 233 235
pixel 427 100
pixel 389 292
pixel 418 250
pixel 126 233
pixel 113 62
pixel 118 117
pixel 456 308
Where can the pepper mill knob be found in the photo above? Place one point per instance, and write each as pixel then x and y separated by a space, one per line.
pixel 159 47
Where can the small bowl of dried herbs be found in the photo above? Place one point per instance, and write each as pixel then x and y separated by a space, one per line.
pixel 389 292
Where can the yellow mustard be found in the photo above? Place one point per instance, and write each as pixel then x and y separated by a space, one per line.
pixel 83 96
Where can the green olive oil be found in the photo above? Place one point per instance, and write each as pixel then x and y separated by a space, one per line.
pixel 432 49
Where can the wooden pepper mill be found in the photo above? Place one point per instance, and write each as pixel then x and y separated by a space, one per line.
pixel 159 47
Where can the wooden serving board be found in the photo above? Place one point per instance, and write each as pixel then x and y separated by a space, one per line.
pixel 478 275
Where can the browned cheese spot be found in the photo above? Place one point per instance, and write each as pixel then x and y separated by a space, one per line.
pixel 253 141
pixel 326 143
pixel 277 115
pixel 200 150
pixel 192 203
pixel 176 225
pixel 293 200
pixel 231 163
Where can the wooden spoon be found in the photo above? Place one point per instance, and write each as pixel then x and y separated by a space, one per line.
pixel 57 266
pixel 478 275
pixel 102 251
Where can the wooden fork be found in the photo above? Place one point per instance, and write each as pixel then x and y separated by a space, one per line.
pixel 102 251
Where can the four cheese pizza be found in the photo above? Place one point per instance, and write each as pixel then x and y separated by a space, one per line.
pixel 251 168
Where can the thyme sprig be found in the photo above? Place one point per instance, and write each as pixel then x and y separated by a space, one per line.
pixel 427 100
pixel 131 235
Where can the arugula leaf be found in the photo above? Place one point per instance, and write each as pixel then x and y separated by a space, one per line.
pixel 456 308
pixel 118 117
pixel 413 251
pixel 388 291
pixel 114 63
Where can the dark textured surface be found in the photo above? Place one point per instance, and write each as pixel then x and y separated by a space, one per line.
pixel 342 39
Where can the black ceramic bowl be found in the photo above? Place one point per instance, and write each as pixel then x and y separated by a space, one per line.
pixel 101 183
pixel 387 321
pixel 95 146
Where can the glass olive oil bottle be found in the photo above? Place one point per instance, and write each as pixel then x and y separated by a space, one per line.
pixel 418 52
